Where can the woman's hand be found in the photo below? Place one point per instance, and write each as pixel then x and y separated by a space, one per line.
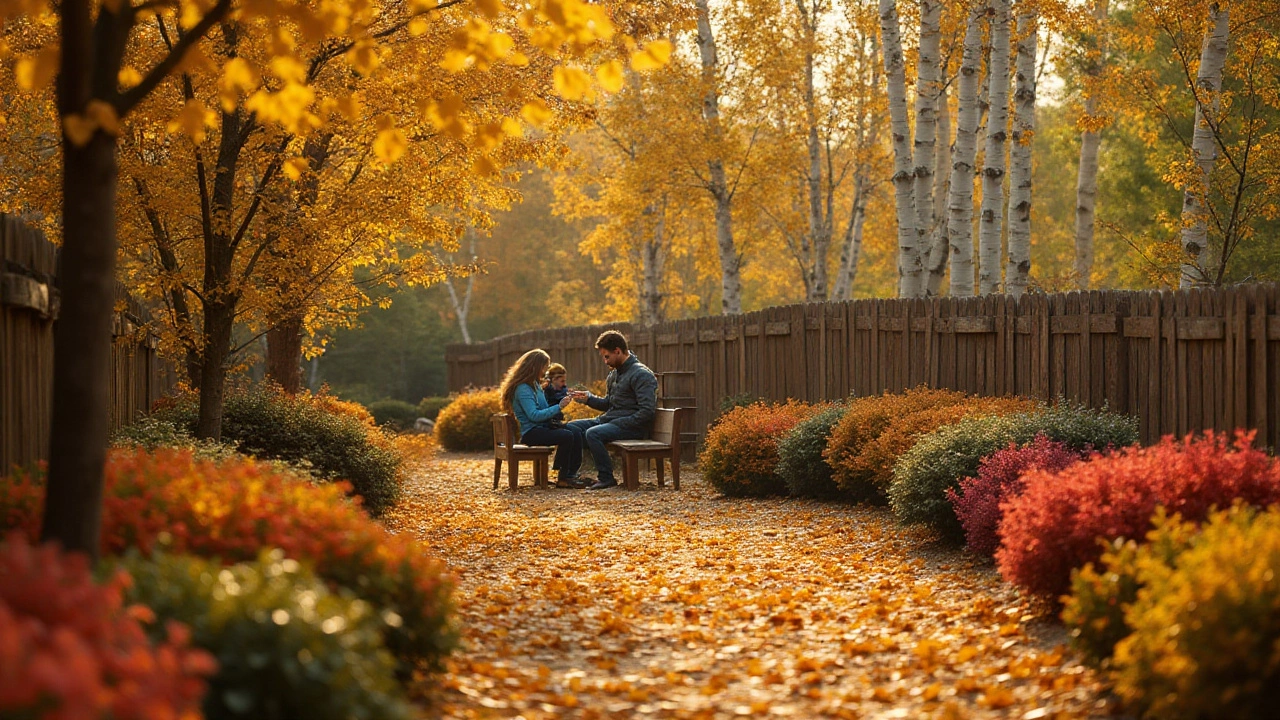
pixel 564 402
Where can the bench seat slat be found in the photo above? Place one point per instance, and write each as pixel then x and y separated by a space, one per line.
pixel 533 448
pixel 641 444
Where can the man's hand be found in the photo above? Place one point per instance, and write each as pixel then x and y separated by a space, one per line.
pixel 579 395
pixel 564 402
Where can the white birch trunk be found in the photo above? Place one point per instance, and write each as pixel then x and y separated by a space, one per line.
pixel 990 229
pixel 960 203
pixel 1018 272
pixel 851 249
pixel 1195 226
pixel 819 232
pixel 1087 173
pixel 730 278
pixel 462 305
pixel 652 262
pixel 926 136
pixel 910 270
pixel 936 267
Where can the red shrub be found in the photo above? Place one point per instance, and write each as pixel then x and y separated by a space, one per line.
pixel 1056 523
pixel 977 503
pixel 740 456
pixel 70 650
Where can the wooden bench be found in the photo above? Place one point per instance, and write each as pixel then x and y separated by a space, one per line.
pixel 664 445
pixel 506 448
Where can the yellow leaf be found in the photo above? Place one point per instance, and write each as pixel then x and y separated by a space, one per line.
pixel 289 69
pixel 79 129
pixel 192 120
pixel 128 77
pixel 517 59
pixel 294 167
pixel 610 76
pixel 572 83
pixel 34 72
pixel 536 113
pixel 418 26
pixel 191 15
pixel 390 145
pixel 364 57
pixel 349 106
pixel 485 167
pixel 237 77
pixel 489 8
pixel 512 128
pixel 654 55
pixel 455 60
pixel 104 116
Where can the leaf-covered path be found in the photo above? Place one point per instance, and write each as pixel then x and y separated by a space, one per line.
pixel 684 604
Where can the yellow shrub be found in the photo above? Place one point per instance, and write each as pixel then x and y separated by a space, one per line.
pixel 1206 627
pixel 464 425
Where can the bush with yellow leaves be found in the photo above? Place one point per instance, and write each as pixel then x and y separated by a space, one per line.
pixel 464 425
pixel 1206 626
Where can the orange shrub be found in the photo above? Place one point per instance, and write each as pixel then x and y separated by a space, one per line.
pixel 232 509
pixel 740 457
pixel 71 650
pixel 875 462
pixel 865 420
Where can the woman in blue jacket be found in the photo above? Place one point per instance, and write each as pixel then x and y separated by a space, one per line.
pixel 522 396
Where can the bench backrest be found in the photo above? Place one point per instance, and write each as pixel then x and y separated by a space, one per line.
pixel 504 431
pixel 666 426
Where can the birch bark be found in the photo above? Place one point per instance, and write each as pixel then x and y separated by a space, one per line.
pixel 1208 90
pixel 730 278
pixel 1090 140
pixel 926 137
pixel 960 204
pixel 910 270
pixel 1018 272
pixel 993 171
pixel 936 267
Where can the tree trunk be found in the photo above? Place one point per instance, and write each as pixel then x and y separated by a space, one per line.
pixel 730 278
pixel 1018 272
pixel 1090 139
pixel 990 229
pixel 910 270
pixel 1204 150
pixel 219 319
pixel 284 353
pixel 462 306
pixel 936 268
pixel 652 260
pixel 851 249
pixel 926 137
pixel 960 204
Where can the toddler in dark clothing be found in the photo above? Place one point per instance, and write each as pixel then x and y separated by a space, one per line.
pixel 556 388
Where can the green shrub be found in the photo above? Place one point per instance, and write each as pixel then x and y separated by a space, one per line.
pixel 740 456
pixel 940 459
pixel 800 461
pixel 396 414
pixel 151 433
pixel 1100 596
pixel 309 431
pixel 1206 627
pixel 286 646
pixel 464 425
pixel 430 407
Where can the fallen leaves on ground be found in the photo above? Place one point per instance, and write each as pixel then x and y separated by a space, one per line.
pixel 683 604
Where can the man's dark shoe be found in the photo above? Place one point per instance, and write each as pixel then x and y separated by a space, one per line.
pixel 604 484
pixel 573 483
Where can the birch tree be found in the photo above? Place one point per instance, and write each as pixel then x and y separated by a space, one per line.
pixel 993 171
pixel 1018 272
pixel 717 184
pixel 936 266
pixel 928 91
pixel 462 304
pixel 960 204
pixel 1204 148
pixel 910 269
pixel 1091 123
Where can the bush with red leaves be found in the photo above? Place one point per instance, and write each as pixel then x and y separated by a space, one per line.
pixel 1056 524
pixel 977 501
pixel 71 650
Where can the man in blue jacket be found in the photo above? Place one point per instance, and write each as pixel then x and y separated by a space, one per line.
pixel 629 405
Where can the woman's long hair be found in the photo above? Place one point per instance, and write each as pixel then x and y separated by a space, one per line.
pixel 528 369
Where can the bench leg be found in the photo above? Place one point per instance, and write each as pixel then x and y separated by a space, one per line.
pixel 497 471
pixel 632 474
pixel 661 471
pixel 513 471
pixel 675 469
pixel 543 466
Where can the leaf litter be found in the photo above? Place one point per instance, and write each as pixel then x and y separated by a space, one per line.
pixel 685 604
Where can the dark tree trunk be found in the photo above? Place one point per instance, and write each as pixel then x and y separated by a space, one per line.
pixel 284 354
pixel 219 318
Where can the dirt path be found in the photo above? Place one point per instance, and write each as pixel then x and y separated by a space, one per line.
pixel 683 604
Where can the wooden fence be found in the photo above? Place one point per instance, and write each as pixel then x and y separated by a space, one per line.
pixel 28 309
pixel 1180 361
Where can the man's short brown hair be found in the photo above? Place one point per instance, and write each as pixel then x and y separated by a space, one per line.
pixel 612 340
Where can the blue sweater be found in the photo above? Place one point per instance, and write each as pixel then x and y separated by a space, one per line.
pixel 532 409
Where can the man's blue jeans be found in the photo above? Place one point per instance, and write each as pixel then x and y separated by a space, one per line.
pixel 598 435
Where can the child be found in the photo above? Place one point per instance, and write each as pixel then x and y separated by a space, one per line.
pixel 556 388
